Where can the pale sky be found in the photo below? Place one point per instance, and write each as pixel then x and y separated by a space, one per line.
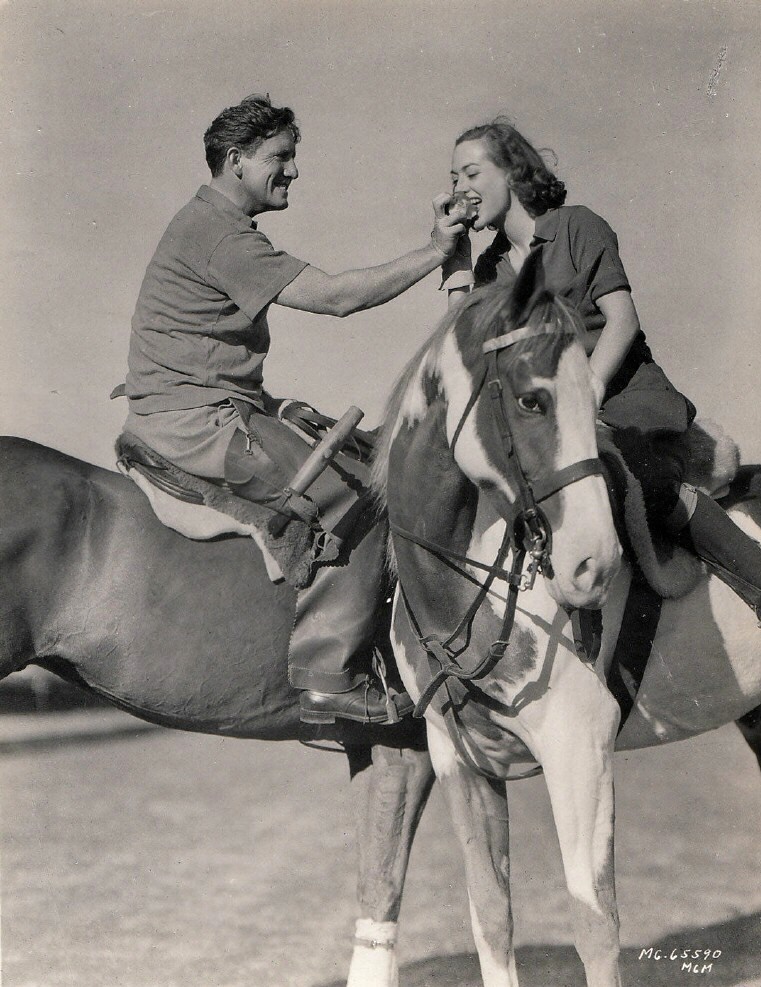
pixel 652 108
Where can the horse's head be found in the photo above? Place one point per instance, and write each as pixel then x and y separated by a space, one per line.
pixel 521 423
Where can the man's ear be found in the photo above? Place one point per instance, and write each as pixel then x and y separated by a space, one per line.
pixel 233 156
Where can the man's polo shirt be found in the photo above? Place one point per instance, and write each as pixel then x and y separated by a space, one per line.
pixel 580 263
pixel 199 332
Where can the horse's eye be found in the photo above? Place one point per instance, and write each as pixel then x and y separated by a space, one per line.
pixel 529 403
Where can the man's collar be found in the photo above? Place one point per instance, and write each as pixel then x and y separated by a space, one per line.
pixel 221 202
pixel 546 225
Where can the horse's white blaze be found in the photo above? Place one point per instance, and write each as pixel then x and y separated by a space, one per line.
pixel 585 548
pixel 575 412
pixel 469 452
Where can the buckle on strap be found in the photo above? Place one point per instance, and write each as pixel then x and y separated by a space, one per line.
pixel 389 944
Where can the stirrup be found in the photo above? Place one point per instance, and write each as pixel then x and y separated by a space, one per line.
pixel 379 667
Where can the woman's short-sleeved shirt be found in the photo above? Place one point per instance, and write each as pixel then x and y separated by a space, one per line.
pixel 200 332
pixel 580 263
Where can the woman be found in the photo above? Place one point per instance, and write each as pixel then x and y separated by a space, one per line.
pixel 505 185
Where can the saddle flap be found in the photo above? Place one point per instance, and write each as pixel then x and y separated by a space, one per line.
pixel 200 509
pixel 669 569
pixel 246 463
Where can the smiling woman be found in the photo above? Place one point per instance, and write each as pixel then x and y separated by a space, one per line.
pixel 506 179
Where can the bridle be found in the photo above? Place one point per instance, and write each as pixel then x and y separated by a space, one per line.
pixel 530 535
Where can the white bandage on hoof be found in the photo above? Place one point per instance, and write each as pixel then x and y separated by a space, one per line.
pixel 373 962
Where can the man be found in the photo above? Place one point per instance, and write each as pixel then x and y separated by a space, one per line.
pixel 198 344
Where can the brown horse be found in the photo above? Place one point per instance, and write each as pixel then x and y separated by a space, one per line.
pixel 186 634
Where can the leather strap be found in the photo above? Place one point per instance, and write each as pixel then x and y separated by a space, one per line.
pixel 565 476
pixel 515 335
pixel 445 553
pixel 634 645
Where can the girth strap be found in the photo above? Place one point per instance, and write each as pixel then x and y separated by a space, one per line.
pixel 634 644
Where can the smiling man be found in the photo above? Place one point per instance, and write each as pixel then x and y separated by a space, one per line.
pixel 198 343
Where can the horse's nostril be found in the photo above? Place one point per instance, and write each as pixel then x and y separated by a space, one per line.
pixel 587 575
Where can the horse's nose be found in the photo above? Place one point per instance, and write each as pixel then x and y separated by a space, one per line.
pixel 588 576
pixel 593 575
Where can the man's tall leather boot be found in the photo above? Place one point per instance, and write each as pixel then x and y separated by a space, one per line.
pixel 338 618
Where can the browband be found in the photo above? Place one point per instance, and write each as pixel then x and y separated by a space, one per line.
pixel 515 335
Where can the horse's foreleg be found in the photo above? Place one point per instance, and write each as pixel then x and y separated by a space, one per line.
pixel 394 785
pixel 478 808
pixel 576 754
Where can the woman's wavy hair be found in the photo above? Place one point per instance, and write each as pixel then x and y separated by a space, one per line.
pixel 246 126
pixel 537 188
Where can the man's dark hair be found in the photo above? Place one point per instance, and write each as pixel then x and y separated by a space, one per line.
pixel 246 126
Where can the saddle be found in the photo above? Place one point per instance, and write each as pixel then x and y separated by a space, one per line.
pixel 201 509
pixel 293 534
pixel 662 568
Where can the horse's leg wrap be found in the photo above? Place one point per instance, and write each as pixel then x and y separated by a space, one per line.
pixel 373 962
pixel 393 790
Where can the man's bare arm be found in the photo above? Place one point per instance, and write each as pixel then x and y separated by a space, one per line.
pixel 352 291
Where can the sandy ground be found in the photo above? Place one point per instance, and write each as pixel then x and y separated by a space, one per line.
pixel 164 859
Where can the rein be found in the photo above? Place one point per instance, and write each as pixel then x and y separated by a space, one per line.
pixel 531 535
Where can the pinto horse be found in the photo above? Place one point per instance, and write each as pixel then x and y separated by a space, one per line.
pixel 488 452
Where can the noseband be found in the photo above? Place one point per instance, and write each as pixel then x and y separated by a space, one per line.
pixel 531 535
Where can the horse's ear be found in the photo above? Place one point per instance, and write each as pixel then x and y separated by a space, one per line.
pixel 528 288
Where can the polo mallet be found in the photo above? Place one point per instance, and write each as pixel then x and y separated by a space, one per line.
pixel 318 461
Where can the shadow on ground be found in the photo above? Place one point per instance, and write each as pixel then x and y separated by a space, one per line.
pixel 738 940
pixel 34 690
pixel 73 737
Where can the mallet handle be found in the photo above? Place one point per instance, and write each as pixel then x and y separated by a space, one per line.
pixel 327 448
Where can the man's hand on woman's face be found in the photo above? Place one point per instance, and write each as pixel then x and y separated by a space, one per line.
pixel 447 229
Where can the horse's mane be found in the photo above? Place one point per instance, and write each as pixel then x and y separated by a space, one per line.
pixel 423 363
